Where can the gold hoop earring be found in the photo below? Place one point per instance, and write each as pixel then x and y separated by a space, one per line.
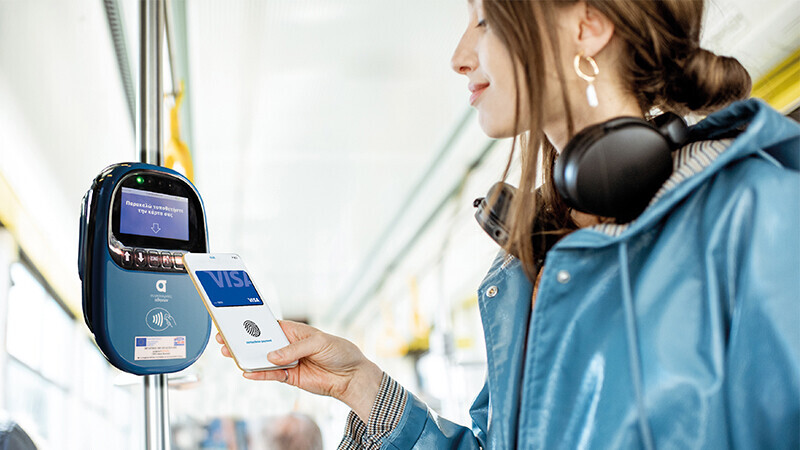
pixel 591 92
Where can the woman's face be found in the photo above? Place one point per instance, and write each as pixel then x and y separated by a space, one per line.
pixel 489 66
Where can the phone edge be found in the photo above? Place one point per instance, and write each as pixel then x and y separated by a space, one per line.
pixel 213 319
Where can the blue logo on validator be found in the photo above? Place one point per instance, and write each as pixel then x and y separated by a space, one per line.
pixel 141 342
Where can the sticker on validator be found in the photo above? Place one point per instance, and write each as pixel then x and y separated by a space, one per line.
pixel 150 348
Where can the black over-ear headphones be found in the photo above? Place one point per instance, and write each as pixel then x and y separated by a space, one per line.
pixel 612 169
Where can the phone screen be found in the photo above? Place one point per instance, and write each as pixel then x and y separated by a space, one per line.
pixel 228 288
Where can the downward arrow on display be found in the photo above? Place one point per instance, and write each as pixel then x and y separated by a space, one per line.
pixel 155 228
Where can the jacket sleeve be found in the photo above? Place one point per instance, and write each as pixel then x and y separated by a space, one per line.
pixel 763 347
pixel 383 418
pixel 416 426
pixel 421 428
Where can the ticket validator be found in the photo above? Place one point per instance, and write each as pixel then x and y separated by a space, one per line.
pixel 137 220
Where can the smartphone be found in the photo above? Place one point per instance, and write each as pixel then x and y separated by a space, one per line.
pixel 244 320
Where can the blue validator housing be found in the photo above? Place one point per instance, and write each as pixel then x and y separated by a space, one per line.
pixel 137 221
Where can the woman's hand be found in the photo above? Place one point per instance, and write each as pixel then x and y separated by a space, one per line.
pixel 327 365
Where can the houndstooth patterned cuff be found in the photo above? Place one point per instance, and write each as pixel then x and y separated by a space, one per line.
pixel 383 418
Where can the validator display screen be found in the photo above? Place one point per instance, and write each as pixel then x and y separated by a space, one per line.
pixel 153 214
pixel 228 288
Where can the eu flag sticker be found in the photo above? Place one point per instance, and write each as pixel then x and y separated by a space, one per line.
pixel 150 348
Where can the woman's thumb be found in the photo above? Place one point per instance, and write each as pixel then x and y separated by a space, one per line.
pixel 292 352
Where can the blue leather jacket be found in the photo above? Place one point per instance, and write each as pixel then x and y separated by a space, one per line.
pixel 679 330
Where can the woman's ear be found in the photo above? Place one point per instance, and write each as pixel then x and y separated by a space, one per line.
pixel 594 30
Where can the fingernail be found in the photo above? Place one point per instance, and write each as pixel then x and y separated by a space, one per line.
pixel 248 374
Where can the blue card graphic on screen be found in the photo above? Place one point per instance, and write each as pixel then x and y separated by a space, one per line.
pixel 154 214
pixel 228 288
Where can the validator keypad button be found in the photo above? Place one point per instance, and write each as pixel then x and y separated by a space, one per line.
pixel 140 257
pixel 178 257
pixel 166 260
pixel 153 258
pixel 127 257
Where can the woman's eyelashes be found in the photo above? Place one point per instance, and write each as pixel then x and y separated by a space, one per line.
pixel 481 23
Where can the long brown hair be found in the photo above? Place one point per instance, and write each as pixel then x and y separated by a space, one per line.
pixel 666 70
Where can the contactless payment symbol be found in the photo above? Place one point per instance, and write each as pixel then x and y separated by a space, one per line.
pixel 159 319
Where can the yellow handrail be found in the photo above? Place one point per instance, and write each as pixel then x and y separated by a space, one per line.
pixel 177 152
pixel 780 87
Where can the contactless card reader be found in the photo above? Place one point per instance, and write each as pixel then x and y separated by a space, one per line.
pixel 137 221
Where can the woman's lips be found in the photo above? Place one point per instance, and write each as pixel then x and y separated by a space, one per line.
pixel 476 89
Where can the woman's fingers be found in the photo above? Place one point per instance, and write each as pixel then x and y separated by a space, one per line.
pixel 296 350
pixel 225 352
pixel 281 375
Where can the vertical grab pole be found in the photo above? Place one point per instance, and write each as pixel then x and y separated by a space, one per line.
pixel 156 412
pixel 151 35
pixel 150 139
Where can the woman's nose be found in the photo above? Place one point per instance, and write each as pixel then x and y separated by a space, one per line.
pixel 464 58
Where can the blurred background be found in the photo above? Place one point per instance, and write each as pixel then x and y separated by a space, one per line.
pixel 335 151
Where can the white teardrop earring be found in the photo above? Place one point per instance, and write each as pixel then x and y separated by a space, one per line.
pixel 591 92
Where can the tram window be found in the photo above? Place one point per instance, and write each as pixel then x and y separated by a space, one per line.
pixel 125 411
pixel 60 389
pixel 26 398
pixel 56 353
pixel 34 319
pixel 38 405
pixel 95 379
pixel 24 394
pixel 25 322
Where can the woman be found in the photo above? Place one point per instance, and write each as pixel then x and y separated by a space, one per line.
pixel 675 329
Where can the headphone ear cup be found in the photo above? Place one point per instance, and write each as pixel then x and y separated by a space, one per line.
pixel 613 169
pixel 564 174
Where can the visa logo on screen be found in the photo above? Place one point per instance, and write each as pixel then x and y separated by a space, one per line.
pixel 230 278
pixel 229 288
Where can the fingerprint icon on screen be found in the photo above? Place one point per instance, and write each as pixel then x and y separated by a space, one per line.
pixel 251 328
